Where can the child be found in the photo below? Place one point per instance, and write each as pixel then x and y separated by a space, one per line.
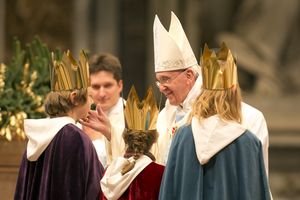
pixel 60 161
pixel 134 175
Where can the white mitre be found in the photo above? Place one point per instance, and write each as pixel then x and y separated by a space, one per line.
pixel 172 50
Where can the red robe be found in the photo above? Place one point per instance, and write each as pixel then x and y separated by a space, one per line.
pixel 145 186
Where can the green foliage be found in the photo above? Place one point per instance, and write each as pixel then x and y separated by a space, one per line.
pixel 25 82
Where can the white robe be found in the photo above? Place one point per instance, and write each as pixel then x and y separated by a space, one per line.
pixel 116 146
pixel 113 183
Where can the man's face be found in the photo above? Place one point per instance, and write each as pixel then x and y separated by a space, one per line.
pixel 175 85
pixel 105 90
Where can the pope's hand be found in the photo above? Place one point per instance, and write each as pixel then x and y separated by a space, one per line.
pixel 98 121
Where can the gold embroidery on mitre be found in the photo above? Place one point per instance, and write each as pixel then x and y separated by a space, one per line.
pixel 219 70
pixel 67 74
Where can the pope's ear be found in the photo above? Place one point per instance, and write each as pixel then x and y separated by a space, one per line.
pixel 189 73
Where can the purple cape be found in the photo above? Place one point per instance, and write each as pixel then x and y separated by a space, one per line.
pixel 68 169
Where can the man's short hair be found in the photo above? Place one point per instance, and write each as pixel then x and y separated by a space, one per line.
pixel 106 62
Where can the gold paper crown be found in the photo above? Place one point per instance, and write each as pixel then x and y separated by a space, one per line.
pixel 141 115
pixel 67 74
pixel 219 70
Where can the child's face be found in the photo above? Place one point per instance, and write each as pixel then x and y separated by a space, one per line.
pixel 82 110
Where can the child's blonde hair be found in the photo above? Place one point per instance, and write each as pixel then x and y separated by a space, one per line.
pixel 224 103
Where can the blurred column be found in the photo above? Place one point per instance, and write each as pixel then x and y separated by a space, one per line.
pixel 80 25
pixel 106 31
pixel 163 10
pixel 133 40
pixel 2 29
pixel 192 25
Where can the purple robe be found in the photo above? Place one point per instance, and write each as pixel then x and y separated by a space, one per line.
pixel 68 169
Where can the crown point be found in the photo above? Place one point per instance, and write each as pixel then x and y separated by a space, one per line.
pixel 219 70
pixel 141 115
pixel 67 74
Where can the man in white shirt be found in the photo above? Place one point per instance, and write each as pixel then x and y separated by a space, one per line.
pixel 106 86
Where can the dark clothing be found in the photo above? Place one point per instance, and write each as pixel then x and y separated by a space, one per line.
pixel 68 169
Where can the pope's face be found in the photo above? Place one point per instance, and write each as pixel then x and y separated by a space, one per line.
pixel 175 85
